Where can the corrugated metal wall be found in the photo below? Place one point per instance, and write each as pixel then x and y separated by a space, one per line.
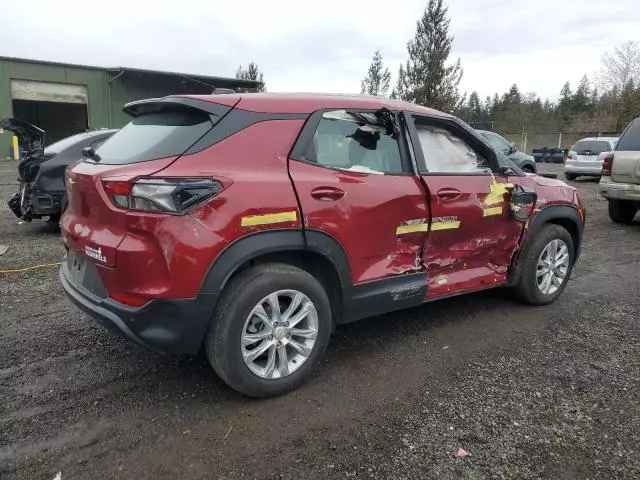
pixel 94 80
pixel 106 93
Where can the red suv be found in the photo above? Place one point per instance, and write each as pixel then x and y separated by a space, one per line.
pixel 251 225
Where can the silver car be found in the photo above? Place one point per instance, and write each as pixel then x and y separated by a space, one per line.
pixel 586 156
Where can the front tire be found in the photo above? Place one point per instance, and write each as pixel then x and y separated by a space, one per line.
pixel 546 266
pixel 270 329
pixel 570 176
pixel 621 211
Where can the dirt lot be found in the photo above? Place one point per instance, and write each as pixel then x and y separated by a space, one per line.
pixel 547 392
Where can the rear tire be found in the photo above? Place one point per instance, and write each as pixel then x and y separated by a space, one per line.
pixel 236 319
pixel 528 289
pixel 528 169
pixel 621 211
pixel 570 176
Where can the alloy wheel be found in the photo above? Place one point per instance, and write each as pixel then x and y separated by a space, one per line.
pixel 279 334
pixel 552 267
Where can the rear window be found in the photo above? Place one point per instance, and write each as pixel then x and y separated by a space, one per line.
pixel 593 147
pixel 155 135
pixel 630 140
pixel 63 144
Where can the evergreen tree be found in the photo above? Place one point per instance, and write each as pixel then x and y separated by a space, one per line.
pixel 581 99
pixel 252 72
pixel 426 78
pixel 378 77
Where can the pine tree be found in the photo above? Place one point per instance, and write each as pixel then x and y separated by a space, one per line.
pixel 582 97
pixel 252 72
pixel 378 77
pixel 426 78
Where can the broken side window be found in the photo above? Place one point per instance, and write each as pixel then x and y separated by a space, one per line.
pixel 364 142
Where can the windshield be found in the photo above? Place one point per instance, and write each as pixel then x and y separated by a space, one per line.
pixel 63 144
pixel 591 147
pixel 155 135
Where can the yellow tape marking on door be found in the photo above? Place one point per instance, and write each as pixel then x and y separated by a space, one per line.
pixel 488 212
pixel 269 218
pixel 416 227
pixel 445 225
pixel 497 192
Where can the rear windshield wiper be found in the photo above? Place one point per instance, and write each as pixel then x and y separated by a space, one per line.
pixel 89 152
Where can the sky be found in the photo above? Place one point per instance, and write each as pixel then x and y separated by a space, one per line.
pixel 327 46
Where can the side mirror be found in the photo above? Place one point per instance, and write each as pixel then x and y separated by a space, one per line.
pixel 522 203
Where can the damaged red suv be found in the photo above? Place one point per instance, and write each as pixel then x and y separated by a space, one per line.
pixel 250 225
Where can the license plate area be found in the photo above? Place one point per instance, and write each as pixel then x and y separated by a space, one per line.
pixel 85 272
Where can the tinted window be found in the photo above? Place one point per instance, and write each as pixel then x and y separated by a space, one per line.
pixel 63 144
pixel 445 152
pixel 498 142
pixel 355 142
pixel 593 147
pixel 155 135
pixel 630 140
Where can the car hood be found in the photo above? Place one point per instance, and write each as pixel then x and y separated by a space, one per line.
pixel 28 134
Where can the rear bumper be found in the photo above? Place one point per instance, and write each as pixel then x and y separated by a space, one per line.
pixel 583 170
pixel 166 326
pixel 620 191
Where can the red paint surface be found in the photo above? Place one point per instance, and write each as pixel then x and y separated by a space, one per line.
pixel 167 256
pixel 365 219
pixel 478 253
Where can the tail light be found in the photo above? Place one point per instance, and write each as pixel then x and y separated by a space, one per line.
pixel 571 156
pixel 168 195
pixel 607 164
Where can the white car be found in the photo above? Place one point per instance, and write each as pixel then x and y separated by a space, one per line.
pixel 586 156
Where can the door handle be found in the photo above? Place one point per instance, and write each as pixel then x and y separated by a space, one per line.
pixel 448 193
pixel 327 194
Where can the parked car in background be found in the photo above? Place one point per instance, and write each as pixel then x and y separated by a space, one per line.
pixel 252 224
pixel 586 156
pixel 549 154
pixel 620 180
pixel 41 191
pixel 525 162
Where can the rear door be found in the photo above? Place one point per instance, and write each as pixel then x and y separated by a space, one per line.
pixel 626 160
pixel 472 236
pixel 354 182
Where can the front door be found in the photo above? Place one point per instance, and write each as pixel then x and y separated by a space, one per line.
pixel 353 178
pixel 472 236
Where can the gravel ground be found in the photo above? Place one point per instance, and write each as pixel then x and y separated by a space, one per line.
pixel 549 392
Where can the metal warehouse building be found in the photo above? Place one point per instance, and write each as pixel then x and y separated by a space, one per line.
pixel 64 99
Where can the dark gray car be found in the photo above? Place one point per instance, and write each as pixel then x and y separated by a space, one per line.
pixel 525 162
pixel 42 192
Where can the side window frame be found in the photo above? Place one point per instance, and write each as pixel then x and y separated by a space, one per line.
pixel 456 128
pixel 302 150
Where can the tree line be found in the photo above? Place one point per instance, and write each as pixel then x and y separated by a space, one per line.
pixel 605 104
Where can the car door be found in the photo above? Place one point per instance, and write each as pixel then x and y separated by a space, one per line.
pixel 472 237
pixel 353 178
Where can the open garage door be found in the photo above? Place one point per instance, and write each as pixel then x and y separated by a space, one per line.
pixel 60 109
